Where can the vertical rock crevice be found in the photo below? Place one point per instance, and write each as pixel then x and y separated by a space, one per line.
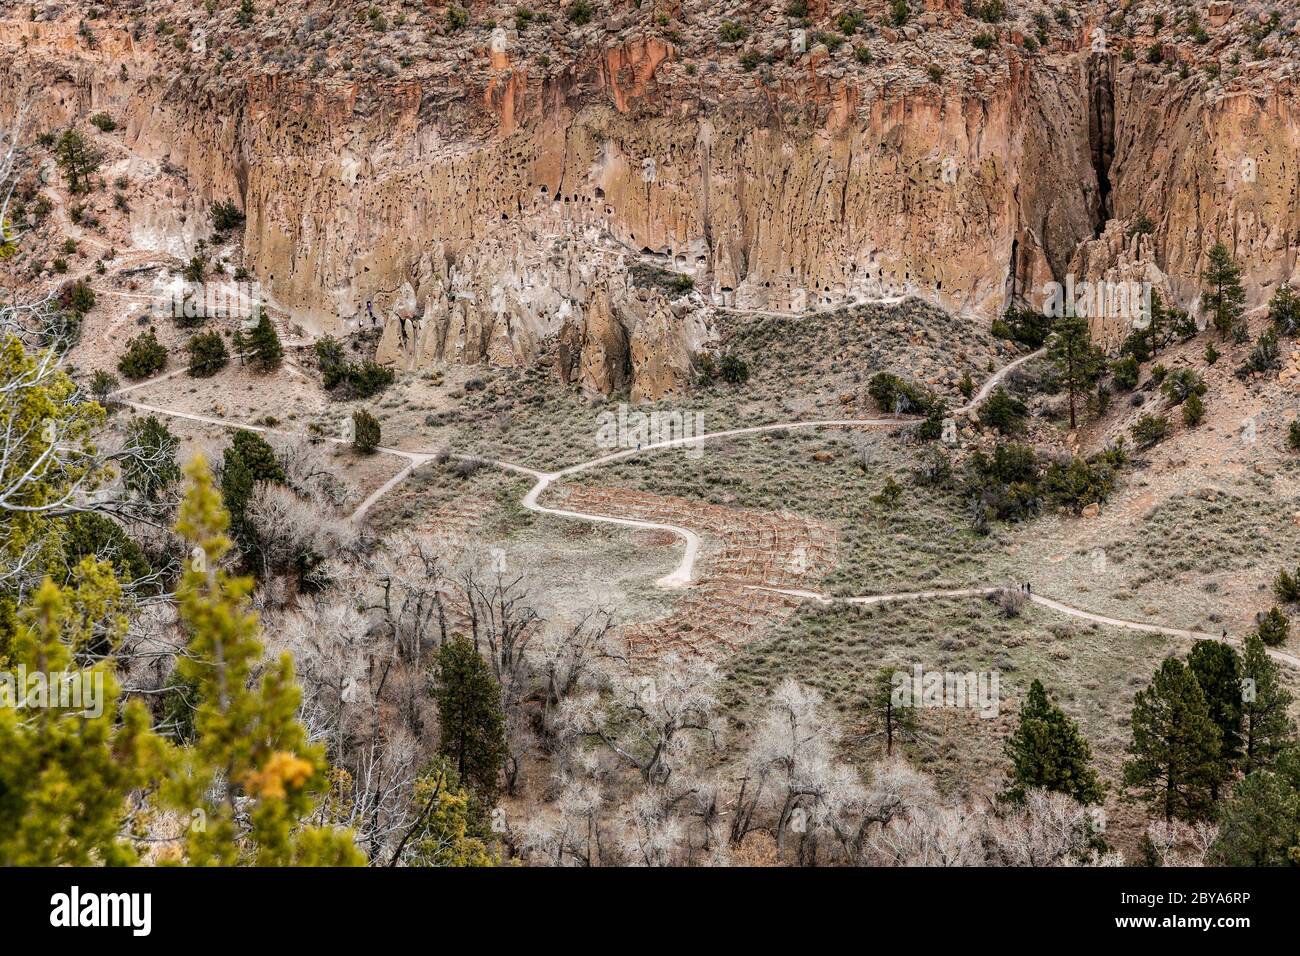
pixel 1101 134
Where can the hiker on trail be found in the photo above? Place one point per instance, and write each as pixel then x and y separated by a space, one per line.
pixel 1028 589
pixel 370 311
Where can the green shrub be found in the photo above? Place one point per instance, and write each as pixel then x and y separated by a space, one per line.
pixel 144 356
pixel 1272 627
pixel 731 32
pixel 457 17
pixel 1181 384
pixel 1284 310
pixel 1125 371
pixel 1027 326
pixel 366 433
pixel 348 380
pixel 898 396
pixel 900 11
pixel 1003 486
pixel 78 297
pixel 1264 357
pixel 889 494
pixel 849 22
pixel 1149 430
pixel 832 41
pixel 1078 483
pixel 103 384
pixel 208 354
pixel 103 122
pixel 733 370
pixel 985 40
pixel 990 11
pixel 1003 411
pixel 1286 587
pixel 580 12
pixel 226 216
pixel 1193 410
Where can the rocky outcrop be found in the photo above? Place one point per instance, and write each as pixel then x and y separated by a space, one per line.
pixel 485 211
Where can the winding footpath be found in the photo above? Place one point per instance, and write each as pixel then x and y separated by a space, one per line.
pixel 683 575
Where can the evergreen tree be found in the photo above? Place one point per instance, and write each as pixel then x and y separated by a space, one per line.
pixel 150 467
pixel 1266 723
pixel 264 345
pixel 447 831
pixel 1003 411
pixel 1047 751
pixel 1284 310
pixel 250 772
pixel 144 356
pixel 66 774
pixel 247 460
pixel 239 344
pixel 51 456
pixel 469 710
pixel 78 158
pixel 889 719
pixel 1175 749
pixel 365 431
pixel 1259 823
pixel 208 354
pixel 1224 301
pixel 1158 321
pixel 1272 627
pixel 1079 363
pixel 1217 669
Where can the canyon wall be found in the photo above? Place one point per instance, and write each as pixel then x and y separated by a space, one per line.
pixel 477 221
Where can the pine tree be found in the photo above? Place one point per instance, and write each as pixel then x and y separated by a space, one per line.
pixel 150 468
pixel 1078 362
pixel 366 433
pixel 250 772
pixel 1217 668
pixel 1284 310
pixel 1259 823
pixel 1272 627
pixel 208 354
pixel 1225 299
pixel 473 726
pixel 239 344
pixel 52 454
pixel 1266 723
pixel 890 720
pixel 446 832
pixel 78 158
pixel 264 345
pixel 66 774
pixel 1175 749
pixel 247 460
pixel 1047 751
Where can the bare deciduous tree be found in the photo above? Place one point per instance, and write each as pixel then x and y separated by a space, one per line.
pixel 652 723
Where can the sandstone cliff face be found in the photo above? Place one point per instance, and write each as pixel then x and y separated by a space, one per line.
pixel 479 221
